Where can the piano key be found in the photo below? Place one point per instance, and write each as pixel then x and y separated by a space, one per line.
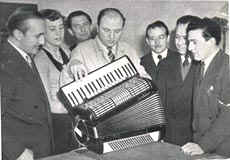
pixel 71 100
pixel 74 98
pixel 91 88
pixel 87 89
pixel 112 76
pixel 110 79
pixel 132 69
pixel 106 80
pixel 100 79
pixel 119 77
pixel 120 72
pixel 81 95
pixel 125 71
pixel 93 85
pixel 99 83
pixel 84 92
pixel 129 71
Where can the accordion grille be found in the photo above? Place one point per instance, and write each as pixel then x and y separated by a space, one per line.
pixel 130 142
pixel 117 96
pixel 146 113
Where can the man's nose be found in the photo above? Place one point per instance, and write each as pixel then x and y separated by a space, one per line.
pixel 111 35
pixel 190 46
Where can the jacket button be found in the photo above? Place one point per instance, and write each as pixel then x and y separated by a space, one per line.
pixel 210 118
pixel 36 106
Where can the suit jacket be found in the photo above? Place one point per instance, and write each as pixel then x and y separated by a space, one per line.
pixel 150 66
pixel 92 55
pixel 176 96
pixel 25 109
pixel 211 116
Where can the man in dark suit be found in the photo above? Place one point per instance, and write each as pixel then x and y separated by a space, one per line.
pixel 212 92
pixel 175 82
pixel 156 37
pixel 26 123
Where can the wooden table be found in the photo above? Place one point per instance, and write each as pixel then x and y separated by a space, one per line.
pixel 153 151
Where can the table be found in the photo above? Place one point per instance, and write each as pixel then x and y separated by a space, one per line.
pixel 152 151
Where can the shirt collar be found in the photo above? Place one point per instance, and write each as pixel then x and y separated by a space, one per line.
pixel 103 48
pixel 155 56
pixel 22 53
pixel 208 60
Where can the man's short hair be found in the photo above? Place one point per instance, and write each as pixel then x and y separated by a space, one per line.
pixel 186 19
pixel 17 20
pixel 51 14
pixel 76 14
pixel 209 27
pixel 110 11
pixel 157 24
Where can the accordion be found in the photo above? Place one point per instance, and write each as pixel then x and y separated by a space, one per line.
pixel 117 108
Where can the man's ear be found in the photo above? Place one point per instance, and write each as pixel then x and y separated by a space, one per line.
pixel 212 41
pixel 147 41
pixel 70 31
pixel 18 34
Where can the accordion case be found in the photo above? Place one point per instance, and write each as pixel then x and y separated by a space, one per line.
pixel 125 114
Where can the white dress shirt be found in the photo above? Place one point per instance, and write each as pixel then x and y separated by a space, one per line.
pixel 163 55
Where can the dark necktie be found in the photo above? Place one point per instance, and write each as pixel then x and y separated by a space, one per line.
pixel 186 62
pixel 202 64
pixel 159 57
pixel 110 54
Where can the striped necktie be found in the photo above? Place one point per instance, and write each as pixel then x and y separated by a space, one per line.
pixel 110 54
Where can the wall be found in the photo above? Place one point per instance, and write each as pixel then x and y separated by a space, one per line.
pixel 139 13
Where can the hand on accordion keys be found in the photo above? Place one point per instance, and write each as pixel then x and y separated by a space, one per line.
pixel 77 69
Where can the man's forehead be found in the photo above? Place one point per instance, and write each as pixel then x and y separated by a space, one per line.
pixel 79 19
pixel 35 25
pixel 156 31
pixel 181 29
pixel 54 23
pixel 195 34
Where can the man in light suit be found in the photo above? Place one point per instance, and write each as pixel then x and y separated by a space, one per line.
pixel 26 121
pixel 156 37
pixel 175 81
pixel 105 47
pixel 211 115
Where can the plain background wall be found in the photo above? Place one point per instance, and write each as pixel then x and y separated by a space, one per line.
pixel 139 13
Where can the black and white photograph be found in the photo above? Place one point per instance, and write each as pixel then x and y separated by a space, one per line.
pixel 114 80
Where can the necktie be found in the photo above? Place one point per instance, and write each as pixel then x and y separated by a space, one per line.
pixel 110 54
pixel 202 65
pixel 159 57
pixel 201 72
pixel 186 62
pixel 29 61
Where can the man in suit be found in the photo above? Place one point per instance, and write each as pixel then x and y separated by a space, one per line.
pixel 79 25
pixel 26 121
pixel 156 37
pixel 105 47
pixel 211 115
pixel 175 81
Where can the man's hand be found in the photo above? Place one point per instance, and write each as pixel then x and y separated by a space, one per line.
pixel 77 69
pixel 26 155
pixel 192 149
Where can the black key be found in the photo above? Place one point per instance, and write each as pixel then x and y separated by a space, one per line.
pixel 99 84
pixel 117 74
pixel 120 72
pixel 125 71
pixel 87 89
pixel 128 70
pixel 112 76
pixel 101 81
pixel 106 79
pixel 78 91
pixel 94 85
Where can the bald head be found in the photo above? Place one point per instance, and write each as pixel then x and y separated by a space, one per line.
pixel 111 13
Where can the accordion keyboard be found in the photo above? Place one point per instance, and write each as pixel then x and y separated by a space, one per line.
pixel 98 81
